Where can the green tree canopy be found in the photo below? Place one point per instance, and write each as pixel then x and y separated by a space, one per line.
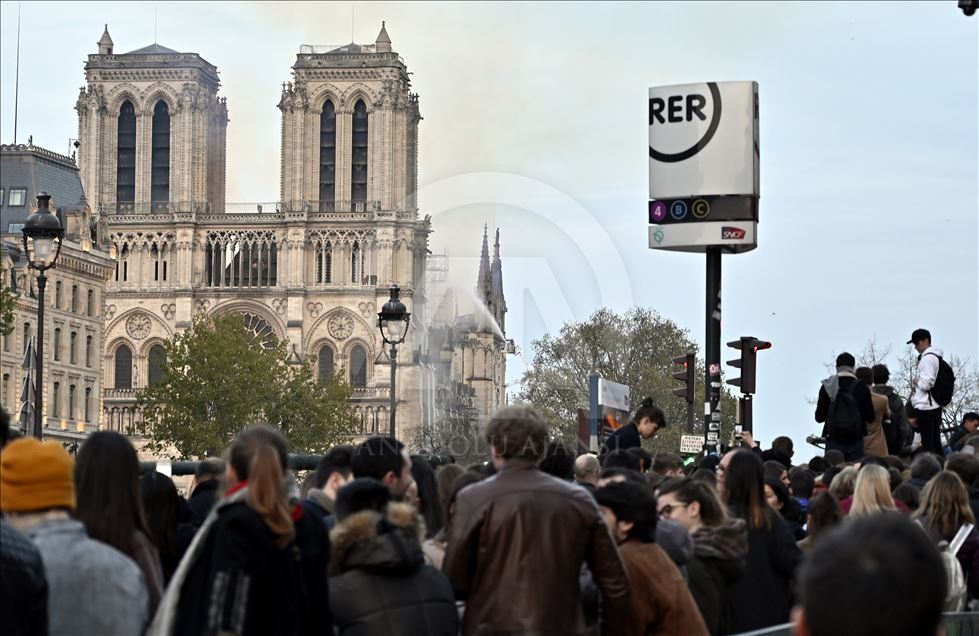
pixel 635 348
pixel 6 305
pixel 219 378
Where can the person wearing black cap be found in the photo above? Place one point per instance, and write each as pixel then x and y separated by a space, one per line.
pixel 929 411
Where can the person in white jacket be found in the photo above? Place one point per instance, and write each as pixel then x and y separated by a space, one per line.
pixel 929 411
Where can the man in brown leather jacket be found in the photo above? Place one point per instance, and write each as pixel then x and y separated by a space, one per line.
pixel 518 540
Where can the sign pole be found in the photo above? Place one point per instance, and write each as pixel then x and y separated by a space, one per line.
pixel 712 376
pixel 593 424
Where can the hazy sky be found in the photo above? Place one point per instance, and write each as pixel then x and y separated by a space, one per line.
pixel 535 120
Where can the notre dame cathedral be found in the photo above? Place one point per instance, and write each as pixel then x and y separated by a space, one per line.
pixel 311 269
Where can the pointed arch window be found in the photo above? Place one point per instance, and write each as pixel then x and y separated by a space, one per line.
pixel 356 263
pixel 157 364
pixel 358 367
pixel 358 177
pixel 124 367
pixel 160 156
pixel 328 156
pixel 324 262
pixel 325 360
pixel 126 154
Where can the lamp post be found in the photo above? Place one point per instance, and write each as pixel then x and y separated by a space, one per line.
pixel 45 232
pixel 393 321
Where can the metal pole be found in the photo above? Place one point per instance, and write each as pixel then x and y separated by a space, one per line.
pixel 689 418
pixel 712 372
pixel 39 386
pixel 394 401
pixel 594 427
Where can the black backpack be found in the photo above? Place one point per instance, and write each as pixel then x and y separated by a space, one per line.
pixel 944 386
pixel 844 423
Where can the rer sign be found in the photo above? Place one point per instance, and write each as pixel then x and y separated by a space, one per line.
pixel 703 140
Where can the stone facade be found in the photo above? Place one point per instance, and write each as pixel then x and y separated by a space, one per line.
pixel 311 269
pixel 74 310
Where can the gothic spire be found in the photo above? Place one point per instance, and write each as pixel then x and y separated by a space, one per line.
pixel 383 42
pixel 105 42
pixel 484 280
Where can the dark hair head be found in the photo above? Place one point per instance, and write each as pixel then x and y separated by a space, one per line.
pixel 925 466
pixel 625 473
pixel 875 461
pixel 108 492
pixel 161 503
pixel 375 457
pixel 791 510
pixel 824 514
pixel 841 581
pixel 971 416
pixel 881 374
pixel 517 432
pixel 260 455
pixel 827 477
pixel 210 468
pixel 817 465
pixel 665 462
pixel 4 426
pixel 630 501
pixel 558 460
pixel 909 494
pixel 644 456
pixel 650 410
pixel 834 457
pixel 865 375
pixel 712 512
pixel 783 445
pixel 337 460
pixel 845 360
pixel 964 465
pixel 429 505
pixel 774 469
pixel 744 488
pixel 706 476
pixel 620 458
pixel 363 493
pixel 802 481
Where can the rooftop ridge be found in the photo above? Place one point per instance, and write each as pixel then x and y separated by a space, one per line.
pixel 38 150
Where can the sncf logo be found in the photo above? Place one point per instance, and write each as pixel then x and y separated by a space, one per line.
pixel 729 233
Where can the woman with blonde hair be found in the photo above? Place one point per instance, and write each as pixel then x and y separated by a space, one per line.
pixel 872 493
pixel 843 483
pixel 943 511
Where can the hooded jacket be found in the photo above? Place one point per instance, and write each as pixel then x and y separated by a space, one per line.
pixel 845 379
pixel 925 380
pixel 718 562
pixel 379 581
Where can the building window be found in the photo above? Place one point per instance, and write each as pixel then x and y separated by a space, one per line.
pixel 358 179
pixel 328 156
pixel 6 342
pixel 88 351
pixel 6 391
pixel 160 177
pixel 358 367
pixel 88 405
pixel 56 345
pixel 90 303
pixel 126 154
pixel 356 263
pixel 28 334
pixel 74 299
pixel 157 365
pixel 18 197
pixel 324 262
pixel 72 347
pixel 326 363
pixel 240 260
pixel 57 295
pixel 71 402
pixel 56 400
pixel 124 367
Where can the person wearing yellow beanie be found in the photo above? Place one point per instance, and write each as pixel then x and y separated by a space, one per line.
pixel 37 491
pixel 36 475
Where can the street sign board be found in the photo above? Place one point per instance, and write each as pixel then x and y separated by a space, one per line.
pixel 732 236
pixel 691 444
pixel 697 209
pixel 613 395
pixel 703 140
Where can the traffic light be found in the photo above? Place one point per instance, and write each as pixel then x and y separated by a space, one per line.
pixel 749 347
pixel 687 377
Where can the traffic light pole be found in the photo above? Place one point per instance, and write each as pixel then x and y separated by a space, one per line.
pixel 712 362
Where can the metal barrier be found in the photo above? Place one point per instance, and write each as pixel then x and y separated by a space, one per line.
pixel 957 624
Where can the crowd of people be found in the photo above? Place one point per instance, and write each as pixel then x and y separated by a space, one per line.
pixel 540 539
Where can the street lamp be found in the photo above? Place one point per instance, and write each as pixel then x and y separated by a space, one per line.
pixel 393 321
pixel 42 228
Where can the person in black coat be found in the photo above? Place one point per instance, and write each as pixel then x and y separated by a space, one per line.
pixel 844 380
pixel 379 582
pixel 647 421
pixel 23 588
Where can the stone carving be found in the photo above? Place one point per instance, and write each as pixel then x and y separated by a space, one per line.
pixel 366 309
pixel 110 311
pixel 169 311
pixel 340 325
pixel 314 309
pixel 138 326
pixel 200 307
pixel 280 305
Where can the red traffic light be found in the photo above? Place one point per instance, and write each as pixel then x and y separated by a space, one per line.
pixel 761 344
